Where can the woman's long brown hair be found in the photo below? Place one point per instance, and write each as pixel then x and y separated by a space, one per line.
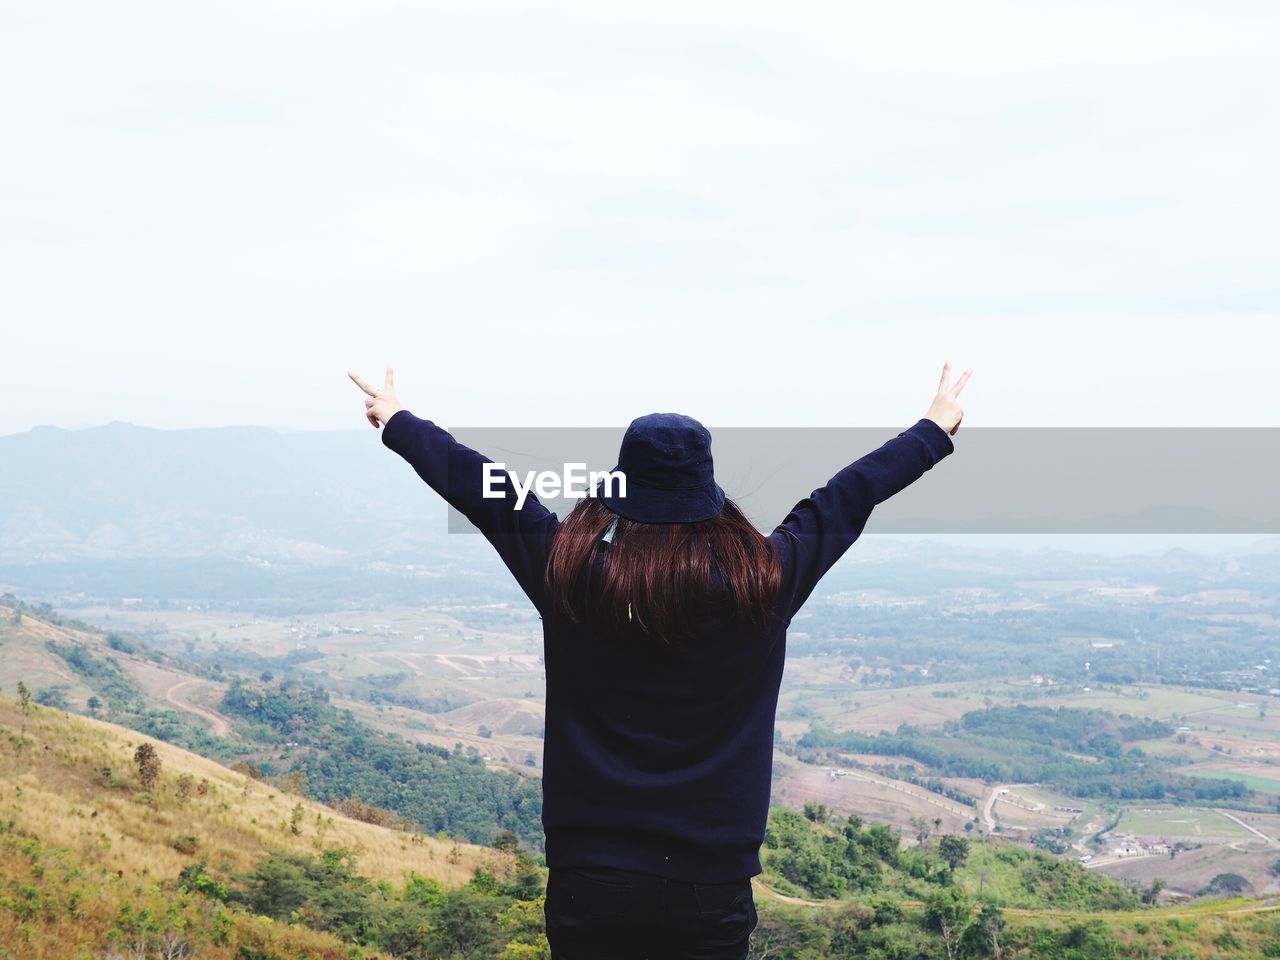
pixel 660 580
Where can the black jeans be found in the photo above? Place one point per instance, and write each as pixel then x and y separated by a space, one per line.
pixel 602 913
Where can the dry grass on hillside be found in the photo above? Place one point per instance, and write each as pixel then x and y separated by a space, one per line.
pixel 75 824
pixel 62 796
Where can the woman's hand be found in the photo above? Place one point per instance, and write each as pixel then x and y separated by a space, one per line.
pixel 381 404
pixel 946 411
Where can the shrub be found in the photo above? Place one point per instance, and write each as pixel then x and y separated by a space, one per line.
pixel 148 763
pixel 1226 884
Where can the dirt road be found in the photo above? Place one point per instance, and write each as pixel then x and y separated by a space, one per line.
pixel 988 807
pixel 1271 841
pixel 175 695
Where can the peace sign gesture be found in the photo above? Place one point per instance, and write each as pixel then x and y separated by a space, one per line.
pixel 945 410
pixel 382 405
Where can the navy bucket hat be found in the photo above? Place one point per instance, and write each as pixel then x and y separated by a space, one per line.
pixel 666 458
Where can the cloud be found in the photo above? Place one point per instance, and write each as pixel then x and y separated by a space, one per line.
pixel 212 212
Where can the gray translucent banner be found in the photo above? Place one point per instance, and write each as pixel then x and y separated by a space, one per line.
pixel 1103 480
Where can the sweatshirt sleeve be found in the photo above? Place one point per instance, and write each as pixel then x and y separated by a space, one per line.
pixel 820 528
pixel 522 537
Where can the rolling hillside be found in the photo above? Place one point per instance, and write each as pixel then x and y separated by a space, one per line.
pixel 86 849
pixel 208 862
pixel 281 728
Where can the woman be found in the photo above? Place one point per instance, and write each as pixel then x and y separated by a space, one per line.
pixel 664 627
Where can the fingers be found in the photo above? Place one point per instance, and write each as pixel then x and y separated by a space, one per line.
pixel 373 421
pixel 388 385
pixel 946 375
pixel 964 378
pixel 362 385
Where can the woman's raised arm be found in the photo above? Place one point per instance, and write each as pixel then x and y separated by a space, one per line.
pixel 520 532
pixel 821 527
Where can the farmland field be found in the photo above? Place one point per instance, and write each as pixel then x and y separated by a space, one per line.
pixel 1181 823
pixel 473 676
pixel 1257 776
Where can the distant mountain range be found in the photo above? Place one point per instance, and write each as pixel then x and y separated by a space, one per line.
pixel 229 515
pixel 123 491
pixel 256 515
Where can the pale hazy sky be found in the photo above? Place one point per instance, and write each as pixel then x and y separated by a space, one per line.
pixel 575 213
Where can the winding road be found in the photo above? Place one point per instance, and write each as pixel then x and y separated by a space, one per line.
pixel 988 807
pixel 220 723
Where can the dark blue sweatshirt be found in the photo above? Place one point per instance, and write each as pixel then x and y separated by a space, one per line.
pixel 654 760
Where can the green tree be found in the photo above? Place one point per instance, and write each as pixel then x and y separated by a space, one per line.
pixel 24 699
pixel 954 851
pixel 148 763
pixel 525 932
pixel 1228 883
pixel 55 696
pixel 94 705
pixel 992 923
pixel 483 881
pixel 506 841
pixel 420 889
pixel 921 827
pixel 949 913
pixel 816 812
pixel 323 892
pixel 527 883
pixel 463 924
